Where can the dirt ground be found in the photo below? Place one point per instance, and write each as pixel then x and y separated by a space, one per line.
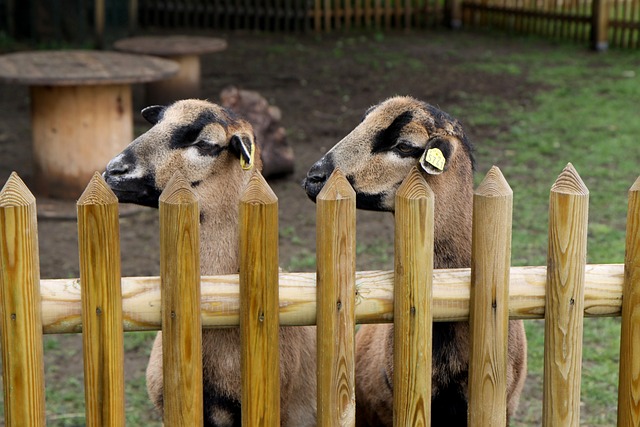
pixel 322 85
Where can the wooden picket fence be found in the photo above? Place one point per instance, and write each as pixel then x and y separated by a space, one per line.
pixel 601 23
pixel 102 305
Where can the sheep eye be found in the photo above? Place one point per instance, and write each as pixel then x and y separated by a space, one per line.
pixel 403 147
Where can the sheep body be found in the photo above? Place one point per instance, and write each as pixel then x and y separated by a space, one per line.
pixel 205 142
pixel 376 157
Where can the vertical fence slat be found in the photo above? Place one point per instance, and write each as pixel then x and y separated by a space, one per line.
pixel 259 304
pixel 412 312
pixel 336 260
pixel 20 308
pixel 489 301
pixel 629 386
pixel 180 289
pixel 600 24
pixel 102 331
pixel 564 299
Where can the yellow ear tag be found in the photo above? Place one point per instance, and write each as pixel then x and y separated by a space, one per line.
pixel 248 165
pixel 434 157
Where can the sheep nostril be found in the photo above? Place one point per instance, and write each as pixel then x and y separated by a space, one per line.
pixel 316 177
pixel 118 168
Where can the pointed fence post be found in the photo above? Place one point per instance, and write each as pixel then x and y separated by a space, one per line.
pixel 102 331
pixel 629 386
pixel 564 299
pixel 412 308
pixel 181 319
pixel 259 305
pixel 20 308
pixel 489 301
pixel 336 261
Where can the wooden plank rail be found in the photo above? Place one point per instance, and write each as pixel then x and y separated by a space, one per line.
pixel 336 264
pixel 103 338
pixel 564 299
pixel 180 288
pixel 413 313
pixel 259 305
pixel 629 386
pixel 61 304
pixel 489 311
pixel 22 355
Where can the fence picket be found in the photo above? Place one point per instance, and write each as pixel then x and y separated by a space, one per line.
pixel 488 310
pixel 259 304
pixel 102 333
pixel 20 311
pixel 629 387
pixel 412 312
pixel 568 217
pixel 336 264
pixel 181 320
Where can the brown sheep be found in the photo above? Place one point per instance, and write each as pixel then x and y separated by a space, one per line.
pixel 205 142
pixel 376 157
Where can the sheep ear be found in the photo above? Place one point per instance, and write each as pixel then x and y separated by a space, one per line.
pixel 153 114
pixel 436 156
pixel 244 148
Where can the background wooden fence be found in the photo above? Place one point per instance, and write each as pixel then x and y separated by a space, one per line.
pixel 600 22
pixel 102 305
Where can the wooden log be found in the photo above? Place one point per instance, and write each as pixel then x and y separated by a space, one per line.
pixel 489 310
pixel 568 218
pixel 413 279
pixel 374 300
pixel 259 304
pixel 629 386
pixel 181 320
pixel 102 335
pixel 20 311
pixel 336 263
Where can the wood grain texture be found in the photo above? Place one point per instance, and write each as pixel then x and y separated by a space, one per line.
pixel 259 304
pixel 629 379
pixel 336 265
pixel 181 320
pixel 374 300
pixel 413 279
pixel 171 45
pixel 20 311
pixel 102 335
pixel 82 67
pixel 568 220
pixel 489 310
pixel 76 131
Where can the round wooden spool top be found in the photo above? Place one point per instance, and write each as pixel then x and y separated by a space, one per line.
pixel 82 67
pixel 171 45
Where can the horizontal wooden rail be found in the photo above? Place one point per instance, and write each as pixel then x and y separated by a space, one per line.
pixel 61 304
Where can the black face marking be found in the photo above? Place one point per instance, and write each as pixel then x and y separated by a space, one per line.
pixel 405 149
pixel 140 191
pixel 387 138
pixel 187 134
pixel 194 184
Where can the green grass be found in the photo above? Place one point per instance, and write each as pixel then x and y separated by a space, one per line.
pixel 587 115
